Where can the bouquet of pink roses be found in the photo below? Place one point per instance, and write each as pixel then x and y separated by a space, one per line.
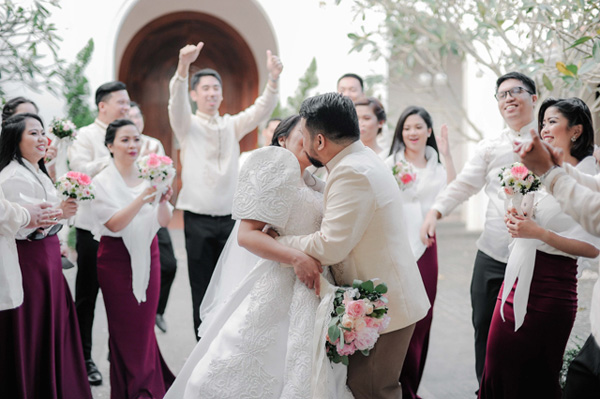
pixel 404 173
pixel 158 169
pixel 63 129
pixel 75 185
pixel 359 316
pixel 518 183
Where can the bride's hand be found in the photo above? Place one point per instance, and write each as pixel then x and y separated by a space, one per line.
pixel 522 226
pixel 308 270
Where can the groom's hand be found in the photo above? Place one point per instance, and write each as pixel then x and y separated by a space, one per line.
pixel 308 270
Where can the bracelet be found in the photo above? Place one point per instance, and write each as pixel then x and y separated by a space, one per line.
pixel 546 173
pixel 273 80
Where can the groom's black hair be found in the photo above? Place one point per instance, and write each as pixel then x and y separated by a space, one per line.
pixel 332 115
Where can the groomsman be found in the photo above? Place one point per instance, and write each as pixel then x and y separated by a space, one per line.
pixel 516 96
pixel 579 196
pixel 351 85
pixel 89 155
pixel 209 155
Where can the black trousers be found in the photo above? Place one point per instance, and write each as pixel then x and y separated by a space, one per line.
pixel 488 275
pixel 168 268
pixel 583 377
pixel 86 287
pixel 205 237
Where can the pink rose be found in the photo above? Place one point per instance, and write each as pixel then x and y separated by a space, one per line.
pixel 347 321
pixel 84 179
pixel 166 160
pixel 360 324
pixel 73 175
pixel 385 322
pixel 153 162
pixel 372 322
pixel 349 336
pixel 520 171
pixel 356 309
pixel 366 339
pixel 347 350
pixel 407 178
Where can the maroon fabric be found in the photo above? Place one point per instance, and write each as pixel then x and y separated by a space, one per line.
pixel 137 369
pixel 40 347
pixel 414 363
pixel 526 363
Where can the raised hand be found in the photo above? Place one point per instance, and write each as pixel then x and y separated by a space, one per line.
pixel 535 154
pixel 187 55
pixel 274 65
pixel 427 232
pixel 442 141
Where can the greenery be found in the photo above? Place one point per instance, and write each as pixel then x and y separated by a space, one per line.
pixel 28 45
pixel 568 357
pixel 76 88
pixel 556 42
pixel 305 85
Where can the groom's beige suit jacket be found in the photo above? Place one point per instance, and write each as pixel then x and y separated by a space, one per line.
pixel 363 231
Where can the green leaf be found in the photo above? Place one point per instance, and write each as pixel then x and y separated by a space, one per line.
pixel 365 352
pixel 345 361
pixel 368 286
pixel 539 61
pixel 588 66
pixel 547 82
pixel 356 283
pixel 340 310
pixel 562 68
pixel 334 333
pixel 381 288
pixel 596 50
pixel 573 69
pixel 580 41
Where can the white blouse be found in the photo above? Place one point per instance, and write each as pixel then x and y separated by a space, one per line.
pixel 21 185
pixel 112 195
pixel 418 199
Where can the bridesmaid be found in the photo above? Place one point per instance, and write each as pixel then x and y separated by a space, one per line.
pixel 40 347
pixel 371 118
pixel 415 143
pixel 524 354
pixel 129 266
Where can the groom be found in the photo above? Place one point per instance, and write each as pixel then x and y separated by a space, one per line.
pixel 363 228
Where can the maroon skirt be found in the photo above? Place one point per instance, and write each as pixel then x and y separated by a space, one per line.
pixel 414 363
pixel 526 363
pixel 137 369
pixel 40 346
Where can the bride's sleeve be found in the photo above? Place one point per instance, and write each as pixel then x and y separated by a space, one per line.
pixel 266 186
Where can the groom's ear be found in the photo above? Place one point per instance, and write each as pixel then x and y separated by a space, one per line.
pixel 320 142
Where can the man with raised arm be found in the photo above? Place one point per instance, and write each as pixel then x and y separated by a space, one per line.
pixel 210 150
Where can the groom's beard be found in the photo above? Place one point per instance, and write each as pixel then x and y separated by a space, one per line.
pixel 314 161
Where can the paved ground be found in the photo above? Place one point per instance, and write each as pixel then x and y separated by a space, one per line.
pixel 449 372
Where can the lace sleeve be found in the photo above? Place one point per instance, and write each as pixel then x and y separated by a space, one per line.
pixel 267 186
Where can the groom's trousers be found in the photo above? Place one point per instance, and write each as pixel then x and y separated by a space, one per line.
pixel 376 376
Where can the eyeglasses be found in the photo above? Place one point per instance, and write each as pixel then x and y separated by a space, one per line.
pixel 515 91
pixel 39 233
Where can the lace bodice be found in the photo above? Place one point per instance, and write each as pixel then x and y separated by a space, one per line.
pixel 270 189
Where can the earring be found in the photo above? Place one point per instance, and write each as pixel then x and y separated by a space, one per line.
pixel 574 139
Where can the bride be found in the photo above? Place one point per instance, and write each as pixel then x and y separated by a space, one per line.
pixel 263 331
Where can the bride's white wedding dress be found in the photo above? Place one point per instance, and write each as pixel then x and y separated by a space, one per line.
pixel 266 340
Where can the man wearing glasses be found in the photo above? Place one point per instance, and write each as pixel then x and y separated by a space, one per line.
pixel 516 96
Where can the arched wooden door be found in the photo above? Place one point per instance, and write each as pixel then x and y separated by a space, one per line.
pixel 150 60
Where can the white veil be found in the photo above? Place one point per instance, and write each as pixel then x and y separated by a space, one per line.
pixel 233 266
